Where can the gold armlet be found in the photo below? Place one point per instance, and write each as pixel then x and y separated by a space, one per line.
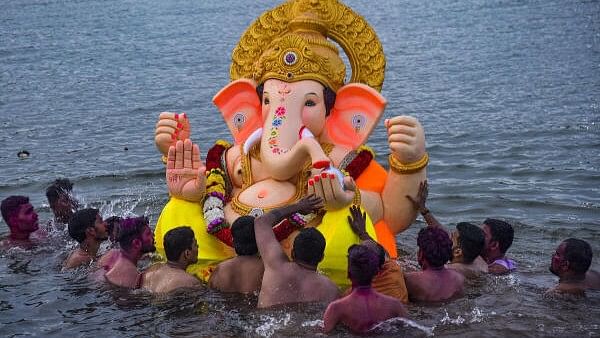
pixel 409 168
pixel 164 159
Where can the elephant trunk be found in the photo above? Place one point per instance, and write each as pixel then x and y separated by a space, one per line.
pixel 285 147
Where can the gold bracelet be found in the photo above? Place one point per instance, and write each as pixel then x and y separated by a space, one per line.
pixel 409 168
pixel 164 159
pixel 356 200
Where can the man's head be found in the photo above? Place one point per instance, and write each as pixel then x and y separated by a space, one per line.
pixel 468 241
pixel 363 265
pixel 181 246
pixel 309 246
pixel 498 238
pixel 135 234
pixel 377 249
pixel 112 227
pixel 19 215
pixel 87 223
pixel 61 200
pixel 244 240
pixel 572 257
pixel 435 247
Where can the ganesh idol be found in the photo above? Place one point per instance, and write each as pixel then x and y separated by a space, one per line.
pixel 298 128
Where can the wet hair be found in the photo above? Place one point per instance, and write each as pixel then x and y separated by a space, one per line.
pixel 10 206
pixel 328 96
pixel 579 255
pixel 178 240
pixel 244 239
pixel 471 240
pixel 377 249
pixel 309 246
pixel 436 245
pixel 61 186
pixel 501 232
pixel 80 222
pixel 362 264
pixel 112 224
pixel 129 229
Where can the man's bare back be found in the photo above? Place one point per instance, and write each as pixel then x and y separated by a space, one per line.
pixel 162 278
pixel 361 310
pixel 434 285
pixel 241 274
pixel 477 268
pixel 298 281
pixel 77 258
pixel 123 273
pixel 292 283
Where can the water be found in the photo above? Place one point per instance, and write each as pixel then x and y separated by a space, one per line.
pixel 507 90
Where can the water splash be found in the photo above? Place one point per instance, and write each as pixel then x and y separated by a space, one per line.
pixel 267 329
pixel 391 326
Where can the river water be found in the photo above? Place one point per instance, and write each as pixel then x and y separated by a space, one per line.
pixel 508 92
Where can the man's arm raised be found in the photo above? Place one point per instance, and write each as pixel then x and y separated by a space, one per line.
pixel 268 246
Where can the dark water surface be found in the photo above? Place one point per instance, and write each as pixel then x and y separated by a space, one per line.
pixel 508 92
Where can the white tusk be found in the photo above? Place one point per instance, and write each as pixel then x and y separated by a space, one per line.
pixel 252 139
pixel 304 133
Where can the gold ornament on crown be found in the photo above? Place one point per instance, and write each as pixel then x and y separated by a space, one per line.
pixel 294 41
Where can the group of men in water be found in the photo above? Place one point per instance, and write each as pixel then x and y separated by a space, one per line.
pixel 379 287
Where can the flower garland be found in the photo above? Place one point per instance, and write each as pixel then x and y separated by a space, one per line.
pixel 216 192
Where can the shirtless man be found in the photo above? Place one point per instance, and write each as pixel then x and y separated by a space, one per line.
pixel 435 283
pixel 364 307
pixel 22 221
pixel 89 230
pixel 135 239
pixel 498 238
pixel 468 240
pixel 297 281
pixel 571 263
pixel 390 278
pixel 181 250
pixel 243 273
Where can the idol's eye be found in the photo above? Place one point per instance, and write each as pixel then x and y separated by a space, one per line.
pixel 266 101
pixel 310 103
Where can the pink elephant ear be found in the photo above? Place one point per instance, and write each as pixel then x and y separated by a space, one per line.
pixel 356 112
pixel 240 106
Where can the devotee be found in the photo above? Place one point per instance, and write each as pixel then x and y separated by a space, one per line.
pixel 61 200
pixel 181 250
pixel 135 239
pixel 498 238
pixel 390 278
pixel 243 273
pixel 364 307
pixel 436 282
pixel 22 221
pixel 571 262
pixel 468 240
pixel 296 281
pixel 89 230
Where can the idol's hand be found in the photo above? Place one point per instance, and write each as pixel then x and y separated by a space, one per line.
pixel 170 128
pixel 327 186
pixel 186 174
pixel 406 138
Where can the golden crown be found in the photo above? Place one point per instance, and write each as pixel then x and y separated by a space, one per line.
pixel 290 43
